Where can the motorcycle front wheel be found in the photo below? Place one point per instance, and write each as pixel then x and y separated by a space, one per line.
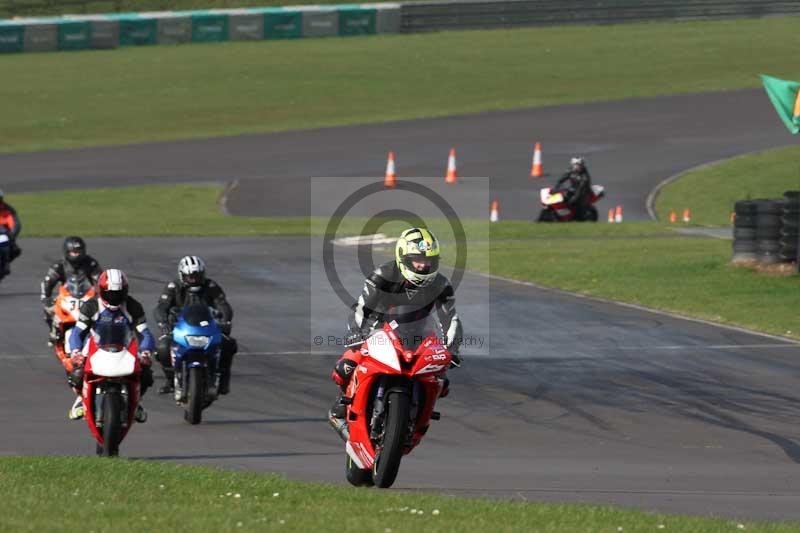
pixel 590 215
pixel 112 424
pixel 196 395
pixel 387 463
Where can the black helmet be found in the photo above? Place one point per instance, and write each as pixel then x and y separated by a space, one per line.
pixel 74 249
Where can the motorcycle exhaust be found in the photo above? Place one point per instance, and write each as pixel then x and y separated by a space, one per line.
pixel 340 427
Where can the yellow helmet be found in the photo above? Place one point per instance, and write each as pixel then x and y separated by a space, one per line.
pixel 417 256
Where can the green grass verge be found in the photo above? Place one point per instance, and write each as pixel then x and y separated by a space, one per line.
pixel 53 100
pixel 711 191
pixel 53 493
pixel 639 262
pixel 189 210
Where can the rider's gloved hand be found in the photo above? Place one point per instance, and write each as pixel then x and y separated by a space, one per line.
pixel 77 358
pixel 146 358
pixel 225 328
pixel 455 360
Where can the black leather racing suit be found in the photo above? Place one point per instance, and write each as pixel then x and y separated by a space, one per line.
pixel 173 298
pixel 388 295
pixel 578 186
pixel 60 272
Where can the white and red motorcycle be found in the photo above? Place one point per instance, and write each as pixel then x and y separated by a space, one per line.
pixel 555 207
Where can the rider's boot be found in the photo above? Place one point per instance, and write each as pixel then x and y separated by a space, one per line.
pixel 224 382
pixel 445 388
pixel 169 385
pixel 53 336
pixel 141 414
pixel 76 411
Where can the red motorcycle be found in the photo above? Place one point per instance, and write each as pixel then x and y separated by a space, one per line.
pixel 390 399
pixel 110 384
pixel 556 209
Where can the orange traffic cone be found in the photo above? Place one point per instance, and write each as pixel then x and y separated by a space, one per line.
pixel 390 179
pixel 494 215
pixel 610 215
pixel 687 215
pixel 673 217
pixel 537 171
pixel 618 214
pixel 452 174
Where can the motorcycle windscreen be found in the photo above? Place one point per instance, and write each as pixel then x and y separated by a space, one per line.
pixel 197 315
pixel 413 325
pixel 112 336
pixel 77 286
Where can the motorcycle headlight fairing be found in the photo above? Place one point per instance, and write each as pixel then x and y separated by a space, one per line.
pixel 197 341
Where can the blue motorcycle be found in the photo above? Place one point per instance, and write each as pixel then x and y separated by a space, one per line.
pixel 196 343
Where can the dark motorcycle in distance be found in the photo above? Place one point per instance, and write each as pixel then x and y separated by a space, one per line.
pixel 555 206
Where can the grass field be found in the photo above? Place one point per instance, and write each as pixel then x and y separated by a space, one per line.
pixel 57 100
pixel 711 191
pixel 639 262
pixel 93 494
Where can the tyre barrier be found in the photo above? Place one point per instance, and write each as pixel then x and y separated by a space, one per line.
pixel 768 231
pixel 790 222
pixel 765 231
pixel 744 233
pixel 81 32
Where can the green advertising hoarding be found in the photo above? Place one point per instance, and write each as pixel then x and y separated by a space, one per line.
pixel 12 37
pixel 356 20
pixel 74 35
pixel 282 23
pixel 208 27
pixel 135 29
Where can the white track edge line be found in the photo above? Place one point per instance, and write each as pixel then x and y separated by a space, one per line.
pixel 661 312
pixel 223 198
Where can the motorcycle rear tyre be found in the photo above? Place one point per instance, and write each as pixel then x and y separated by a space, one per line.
pixel 547 215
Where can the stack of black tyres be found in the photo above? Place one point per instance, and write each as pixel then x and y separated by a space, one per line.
pixel 744 232
pixel 769 214
pixel 789 226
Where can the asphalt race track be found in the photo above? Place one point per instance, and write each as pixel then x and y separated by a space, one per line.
pixel 630 146
pixel 568 399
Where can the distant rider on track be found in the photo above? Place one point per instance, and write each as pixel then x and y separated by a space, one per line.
pixel 9 219
pixel 76 262
pixel 576 183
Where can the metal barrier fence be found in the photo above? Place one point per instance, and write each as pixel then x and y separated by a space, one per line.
pixel 451 15
pixel 77 32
